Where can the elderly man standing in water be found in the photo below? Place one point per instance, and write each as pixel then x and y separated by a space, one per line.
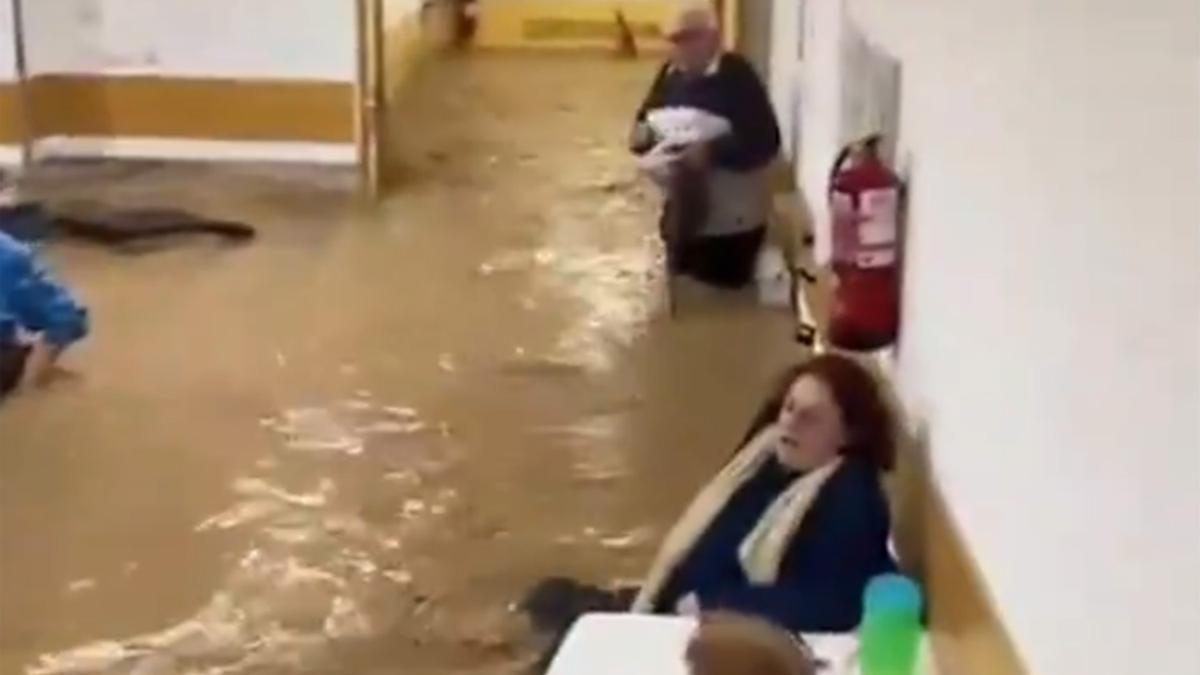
pixel 722 248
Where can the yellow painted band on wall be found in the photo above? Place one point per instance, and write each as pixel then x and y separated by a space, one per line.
pixel 10 121
pixel 559 24
pixel 968 634
pixel 196 108
pixel 606 30
pixel 731 20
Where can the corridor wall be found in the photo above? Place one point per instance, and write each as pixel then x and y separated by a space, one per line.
pixel 235 79
pixel 10 123
pixel 753 32
pixel 1051 310
pixel 405 43
pixel 785 68
pixel 571 24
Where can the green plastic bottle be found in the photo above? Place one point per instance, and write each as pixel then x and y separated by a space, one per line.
pixel 890 633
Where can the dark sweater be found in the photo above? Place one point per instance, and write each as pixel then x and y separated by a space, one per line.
pixel 840 546
pixel 733 92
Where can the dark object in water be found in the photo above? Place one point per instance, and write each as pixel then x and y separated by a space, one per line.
pixel 122 226
pixel 626 42
pixel 12 366
pixel 114 227
pixel 554 604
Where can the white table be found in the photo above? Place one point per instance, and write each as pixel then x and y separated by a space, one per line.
pixel 632 644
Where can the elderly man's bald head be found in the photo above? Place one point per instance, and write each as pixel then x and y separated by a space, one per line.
pixel 695 33
pixel 694 16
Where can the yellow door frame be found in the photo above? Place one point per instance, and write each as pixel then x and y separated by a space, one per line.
pixel 24 90
pixel 731 18
pixel 369 96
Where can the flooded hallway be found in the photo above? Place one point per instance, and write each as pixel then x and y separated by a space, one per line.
pixel 450 363
pixel 355 442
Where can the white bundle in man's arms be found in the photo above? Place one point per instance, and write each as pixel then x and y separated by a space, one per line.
pixel 676 128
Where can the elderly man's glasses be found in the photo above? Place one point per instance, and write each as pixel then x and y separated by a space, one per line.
pixel 687 35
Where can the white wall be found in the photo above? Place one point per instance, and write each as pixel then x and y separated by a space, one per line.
pixel 1052 306
pixel 785 69
pixel 234 39
pixel 9 153
pixel 301 39
pixel 7 65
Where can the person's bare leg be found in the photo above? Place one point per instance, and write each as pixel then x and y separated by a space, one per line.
pixel 39 365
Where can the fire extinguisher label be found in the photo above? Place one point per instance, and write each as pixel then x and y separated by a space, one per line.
pixel 845 225
pixel 877 229
pixel 878 224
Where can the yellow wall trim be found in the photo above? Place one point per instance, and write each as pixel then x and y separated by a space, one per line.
pixel 195 108
pixel 555 24
pixel 10 121
pixel 967 632
pixel 543 28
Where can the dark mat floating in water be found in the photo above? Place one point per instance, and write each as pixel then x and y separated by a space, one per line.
pixel 555 603
pixel 114 227
pixel 122 226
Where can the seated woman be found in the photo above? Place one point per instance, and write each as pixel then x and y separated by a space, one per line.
pixel 793 528
pixel 39 318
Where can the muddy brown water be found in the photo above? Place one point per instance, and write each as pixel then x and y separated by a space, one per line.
pixel 350 446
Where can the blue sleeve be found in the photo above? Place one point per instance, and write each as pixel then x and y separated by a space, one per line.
pixel 40 303
pixel 824 575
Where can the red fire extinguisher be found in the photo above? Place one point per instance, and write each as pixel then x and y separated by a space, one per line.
pixel 864 200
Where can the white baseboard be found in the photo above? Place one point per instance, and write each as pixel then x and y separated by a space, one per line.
pixel 196 150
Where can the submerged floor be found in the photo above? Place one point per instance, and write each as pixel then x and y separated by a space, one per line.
pixel 350 446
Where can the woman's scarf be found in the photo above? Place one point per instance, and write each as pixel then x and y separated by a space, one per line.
pixel 762 551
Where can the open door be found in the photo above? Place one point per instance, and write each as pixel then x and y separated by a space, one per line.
pixel 754 33
pixel 728 13
pixel 370 92
pixel 24 92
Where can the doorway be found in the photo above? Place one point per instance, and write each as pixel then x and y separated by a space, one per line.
pixel 370 94
pixel 23 99
pixel 754 34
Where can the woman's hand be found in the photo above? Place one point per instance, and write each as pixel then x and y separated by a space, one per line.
pixel 688 605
